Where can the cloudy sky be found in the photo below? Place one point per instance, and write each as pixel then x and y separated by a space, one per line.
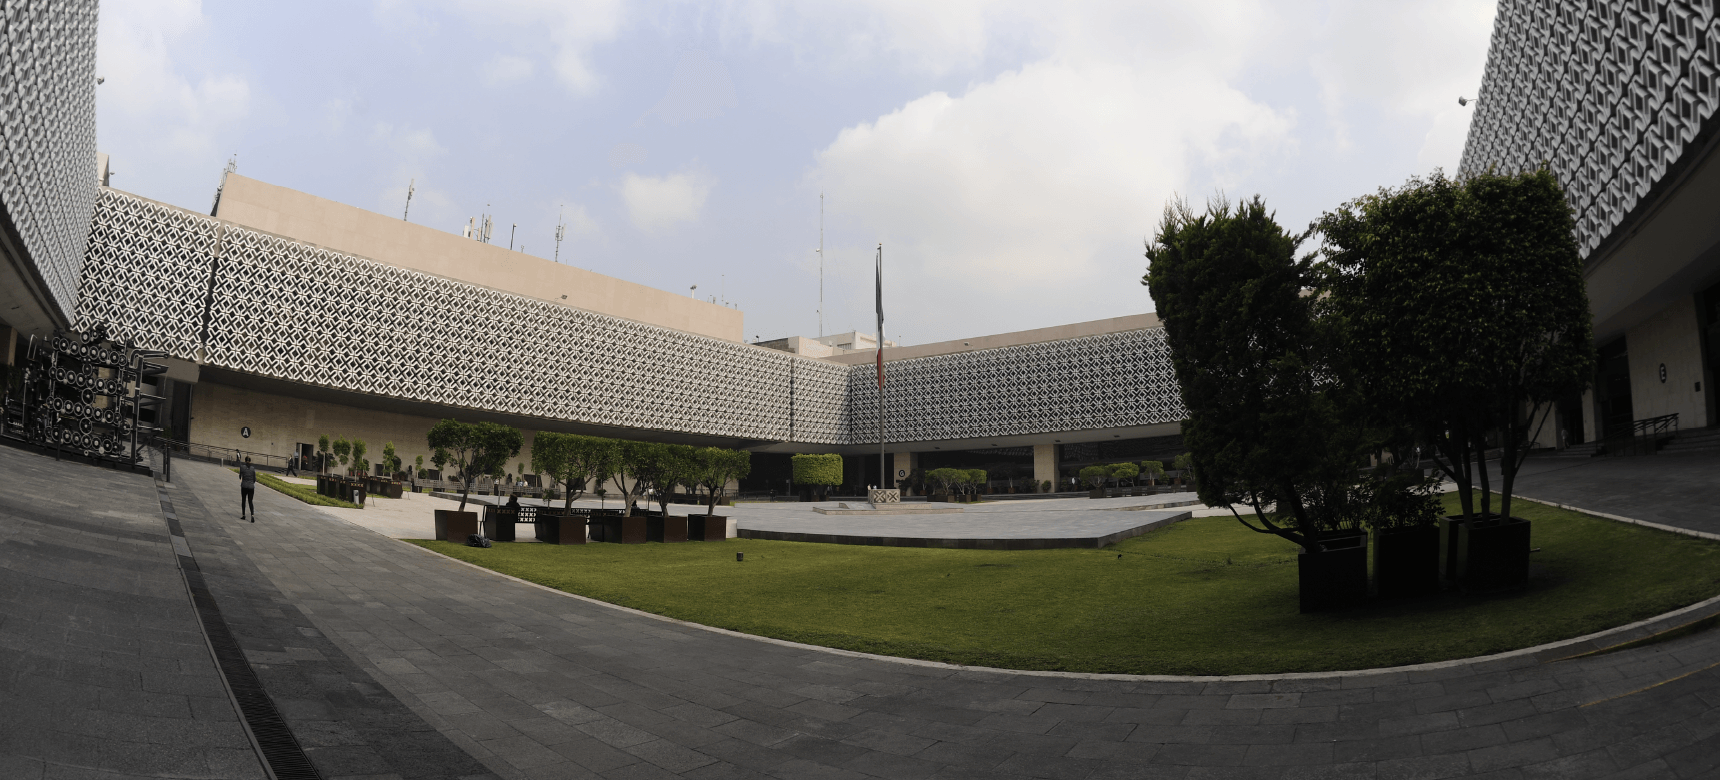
pixel 1010 156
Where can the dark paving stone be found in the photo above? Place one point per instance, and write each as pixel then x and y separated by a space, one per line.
pixel 393 660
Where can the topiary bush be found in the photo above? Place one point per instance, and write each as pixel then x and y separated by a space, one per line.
pixel 817 469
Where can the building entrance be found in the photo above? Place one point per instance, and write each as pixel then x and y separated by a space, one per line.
pixel 1612 389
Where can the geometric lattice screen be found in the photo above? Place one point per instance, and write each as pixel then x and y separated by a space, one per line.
pixel 197 288
pixel 1112 380
pixel 1609 93
pixel 48 124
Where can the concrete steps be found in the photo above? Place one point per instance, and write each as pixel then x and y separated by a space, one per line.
pixel 1698 440
pixel 1576 451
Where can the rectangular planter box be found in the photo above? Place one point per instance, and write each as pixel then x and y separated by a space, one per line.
pixel 1493 554
pixel 707 528
pixel 1336 578
pixel 1406 561
pixel 1096 493
pixel 666 529
pixel 1448 532
pixel 561 529
pixel 454 526
pixel 500 525
pixel 619 530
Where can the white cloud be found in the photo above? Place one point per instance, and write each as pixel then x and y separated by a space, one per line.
pixel 572 29
pixel 699 89
pixel 1041 177
pixel 656 203
pixel 506 69
pixel 165 108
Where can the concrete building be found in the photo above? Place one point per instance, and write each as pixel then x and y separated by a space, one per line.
pixel 289 315
pixel 1618 99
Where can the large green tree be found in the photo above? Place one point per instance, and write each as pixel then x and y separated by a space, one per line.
pixel 1261 377
pixel 475 449
pixel 1464 300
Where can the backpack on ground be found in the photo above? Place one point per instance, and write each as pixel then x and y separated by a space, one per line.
pixel 474 540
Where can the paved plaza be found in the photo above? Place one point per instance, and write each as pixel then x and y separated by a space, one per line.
pixel 387 661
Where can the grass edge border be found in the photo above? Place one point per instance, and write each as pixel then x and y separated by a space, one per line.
pixel 1712 604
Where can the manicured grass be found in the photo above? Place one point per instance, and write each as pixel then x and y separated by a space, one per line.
pixel 305 493
pixel 1205 596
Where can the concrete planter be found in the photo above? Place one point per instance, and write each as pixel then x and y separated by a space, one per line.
pixel 454 526
pixel 1493 554
pixel 1336 577
pixel 1406 561
pixel 707 528
pixel 1097 493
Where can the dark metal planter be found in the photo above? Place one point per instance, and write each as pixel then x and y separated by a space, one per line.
pixel 1493 554
pixel 1406 561
pixel 500 524
pixel 667 529
pixel 454 525
pixel 559 528
pixel 707 528
pixel 1448 533
pixel 619 530
pixel 1335 578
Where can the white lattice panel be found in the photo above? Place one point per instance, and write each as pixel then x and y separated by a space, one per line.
pixel 194 287
pixel 1114 380
pixel 48 123
pixel 1610 93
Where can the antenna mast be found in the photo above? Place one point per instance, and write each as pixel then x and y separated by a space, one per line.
pixel 410 186
pixel 560 230
pixel 821 265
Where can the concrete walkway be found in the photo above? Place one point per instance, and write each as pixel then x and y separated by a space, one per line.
pixel 104 672
pixel 536 684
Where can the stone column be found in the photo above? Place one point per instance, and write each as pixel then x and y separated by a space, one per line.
pixel 1045 465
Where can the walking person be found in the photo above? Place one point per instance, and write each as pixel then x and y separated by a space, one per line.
pixel 248 489
pixel 293 466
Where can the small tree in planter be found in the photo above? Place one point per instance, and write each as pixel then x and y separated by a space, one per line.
pixel 342 451
pixel 553 455
pixel 1402 511
pixel 1184 464
pixel 675 464
pixel 976 483
pixel 1153 470
pixel 474 448
pixel 818 472
pixel 944 481
pixel 390 460
pixel 1125 471
pixel 359 465
pixel 417 471
pixel 322 449
pixel 1045 486
pixel 1094 477
pixel 718 467
pixel 440 458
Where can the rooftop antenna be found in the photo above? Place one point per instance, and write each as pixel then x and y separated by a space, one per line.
pixel 692 290
pixel 560 230
pixel 410 186
pixel 511 232
pixel 232 167
pixel 821 265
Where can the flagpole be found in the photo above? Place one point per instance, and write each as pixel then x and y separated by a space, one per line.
pixel 883 472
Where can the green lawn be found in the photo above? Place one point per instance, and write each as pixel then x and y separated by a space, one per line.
pixel 305 493
pixel 1204 596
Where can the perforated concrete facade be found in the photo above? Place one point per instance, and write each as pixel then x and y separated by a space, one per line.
pixel 235 298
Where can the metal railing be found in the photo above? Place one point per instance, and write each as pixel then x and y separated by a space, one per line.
pixel 1641 437
pixel 227 456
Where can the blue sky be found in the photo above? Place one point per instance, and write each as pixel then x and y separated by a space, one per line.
pixel 1011 157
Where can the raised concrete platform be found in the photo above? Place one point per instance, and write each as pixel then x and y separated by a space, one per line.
pixel 1001 526
pixel 888 509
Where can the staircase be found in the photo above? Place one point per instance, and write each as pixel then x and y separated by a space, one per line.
pixel 1577 451
pixel 1698 440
